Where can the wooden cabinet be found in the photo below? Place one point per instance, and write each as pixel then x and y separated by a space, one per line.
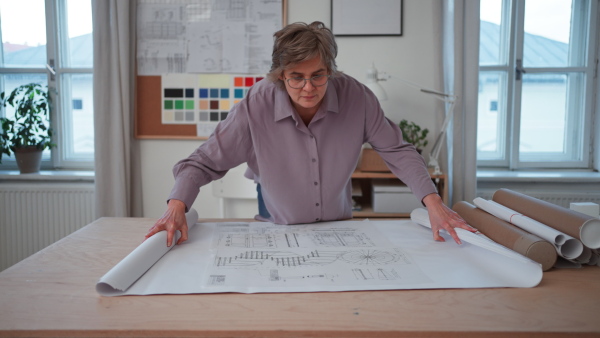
pixel 362 184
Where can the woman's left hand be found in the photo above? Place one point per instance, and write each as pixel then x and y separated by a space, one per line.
pixel 442 217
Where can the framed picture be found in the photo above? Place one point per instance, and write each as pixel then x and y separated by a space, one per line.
pixel 366 18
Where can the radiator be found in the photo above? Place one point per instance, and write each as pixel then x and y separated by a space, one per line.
pixel 563 199
pixel 33 216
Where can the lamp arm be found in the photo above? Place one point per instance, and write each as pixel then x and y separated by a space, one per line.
pixel 386 76
pixel 439 95
pixel 437 146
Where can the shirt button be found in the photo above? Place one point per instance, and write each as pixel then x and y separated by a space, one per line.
pixel 316 219
pixel 312 136
pixel 316 183
pixel 317 204
pixel 314 160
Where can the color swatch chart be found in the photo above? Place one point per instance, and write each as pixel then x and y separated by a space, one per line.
pixel 202 98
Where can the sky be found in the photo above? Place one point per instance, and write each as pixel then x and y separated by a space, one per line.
pixel 17 30
pixel 553 21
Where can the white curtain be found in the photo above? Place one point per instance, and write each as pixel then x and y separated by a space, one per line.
pixel 117 163
pixel 460 46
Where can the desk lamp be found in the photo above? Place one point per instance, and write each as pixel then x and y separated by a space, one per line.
pixel 372 83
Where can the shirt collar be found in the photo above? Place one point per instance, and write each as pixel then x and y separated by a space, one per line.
pixel 331 97
pixel 283 106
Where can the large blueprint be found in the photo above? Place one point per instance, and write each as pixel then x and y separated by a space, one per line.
pixel 331 256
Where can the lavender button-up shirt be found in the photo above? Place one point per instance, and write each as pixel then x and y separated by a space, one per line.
pixel 304 171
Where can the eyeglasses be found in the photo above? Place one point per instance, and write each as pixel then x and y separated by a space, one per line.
pixel 299 82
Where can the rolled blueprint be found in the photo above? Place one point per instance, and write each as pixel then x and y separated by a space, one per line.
pixel 132 267
pixel 581 226
pixel 566 246
pixel 421 216
pixel 508 235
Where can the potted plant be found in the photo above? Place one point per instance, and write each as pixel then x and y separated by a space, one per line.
pixel 412 133
pixel 28 133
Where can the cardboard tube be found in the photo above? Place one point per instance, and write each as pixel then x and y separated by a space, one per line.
pixel 581 226
pixel 566 246
pixel 508 235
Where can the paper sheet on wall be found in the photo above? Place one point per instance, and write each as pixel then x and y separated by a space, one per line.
pixel 206 37
pixel 329 256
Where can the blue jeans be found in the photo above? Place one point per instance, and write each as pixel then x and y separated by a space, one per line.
pixel 262 209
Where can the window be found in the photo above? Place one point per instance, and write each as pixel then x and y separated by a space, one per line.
pixel 50 42
pixel 77 104
pixel 536 83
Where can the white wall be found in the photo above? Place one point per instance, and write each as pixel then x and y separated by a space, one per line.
pixel 414 56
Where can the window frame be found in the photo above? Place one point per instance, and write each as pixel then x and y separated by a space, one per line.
pixel 56 52
pixel 508 137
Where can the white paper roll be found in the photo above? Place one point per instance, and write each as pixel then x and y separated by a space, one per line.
pixel 134 265
pixel 566 246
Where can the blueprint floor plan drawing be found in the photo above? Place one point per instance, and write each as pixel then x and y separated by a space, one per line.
pixel 284 256
pixel 327 256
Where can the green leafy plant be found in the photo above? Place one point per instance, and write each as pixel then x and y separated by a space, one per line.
pixel 412 133
pixel 30 125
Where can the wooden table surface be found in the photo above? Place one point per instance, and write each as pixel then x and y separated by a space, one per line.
pixel 52 293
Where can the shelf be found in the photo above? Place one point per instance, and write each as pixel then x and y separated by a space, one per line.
pixel 371 174
pixel 368 212
pixel 363 181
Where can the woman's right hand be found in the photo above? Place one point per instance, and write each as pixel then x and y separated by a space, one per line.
pixel 172 220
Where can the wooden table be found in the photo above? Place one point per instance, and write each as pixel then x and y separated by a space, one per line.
pixel 52 293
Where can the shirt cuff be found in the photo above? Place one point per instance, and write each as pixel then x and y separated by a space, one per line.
pixel 184 190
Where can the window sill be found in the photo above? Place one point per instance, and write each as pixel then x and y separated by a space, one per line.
pixel 539 176
pixel 48 176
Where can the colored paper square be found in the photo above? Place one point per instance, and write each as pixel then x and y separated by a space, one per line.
pixel 203 116
pixel 189 116
pixel 178 104
pixel 179 116
pixel 214 80
pixel 224 93
pixel 238 93
pixel 214 104
pixel 258 79
pixel 214 117
pixel 173 92
pixel 238 82
pixel 180 80
pixel 189 104
pixel 224 115
pixel 224 105
pixel 189 92
pixel 204 93
pixel 168 104
pixel 249 81
pixel 214 93
pixel 204 104
pixel 168 116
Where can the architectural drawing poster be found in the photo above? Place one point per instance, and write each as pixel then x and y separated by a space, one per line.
pixel 206 36
pixel 329 256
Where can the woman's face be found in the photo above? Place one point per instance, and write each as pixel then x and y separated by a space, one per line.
pixel 308 98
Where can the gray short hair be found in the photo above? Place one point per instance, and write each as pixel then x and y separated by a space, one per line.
pixel 300 42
